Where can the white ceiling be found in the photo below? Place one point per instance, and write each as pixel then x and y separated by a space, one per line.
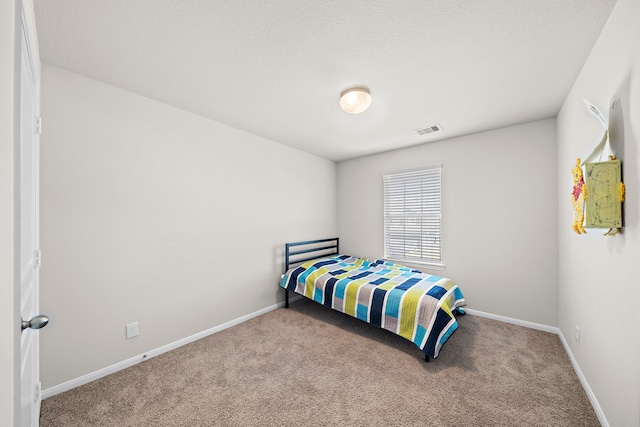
pixel 275 68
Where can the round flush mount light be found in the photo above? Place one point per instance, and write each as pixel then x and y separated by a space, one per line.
pixel 355 100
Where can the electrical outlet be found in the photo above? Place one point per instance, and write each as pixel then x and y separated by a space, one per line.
pixel 132 330
pixel 577 335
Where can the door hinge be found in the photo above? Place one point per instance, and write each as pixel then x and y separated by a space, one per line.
pixel 36 396
pixel 37 259
pixel 39 125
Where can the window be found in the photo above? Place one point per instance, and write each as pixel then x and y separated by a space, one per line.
pixel 413 215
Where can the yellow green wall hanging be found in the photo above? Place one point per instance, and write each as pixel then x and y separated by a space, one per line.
pixel 598 197
pixel 605 196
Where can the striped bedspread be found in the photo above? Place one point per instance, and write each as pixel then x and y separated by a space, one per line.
pixel 407 302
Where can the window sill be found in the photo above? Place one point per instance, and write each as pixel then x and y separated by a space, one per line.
pixel 417 264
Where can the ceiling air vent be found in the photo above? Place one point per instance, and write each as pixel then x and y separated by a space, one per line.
pixel 429 129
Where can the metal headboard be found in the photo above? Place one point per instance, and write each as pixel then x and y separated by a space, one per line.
pixel 321 247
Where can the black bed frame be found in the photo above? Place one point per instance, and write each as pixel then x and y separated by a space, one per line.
pixel 320 248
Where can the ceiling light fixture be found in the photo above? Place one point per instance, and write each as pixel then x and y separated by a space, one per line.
pixel 355 100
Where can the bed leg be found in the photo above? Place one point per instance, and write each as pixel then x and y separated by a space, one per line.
pixel 286 298
pixel 426 358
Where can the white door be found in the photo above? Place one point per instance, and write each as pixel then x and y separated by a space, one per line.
pixel 29 253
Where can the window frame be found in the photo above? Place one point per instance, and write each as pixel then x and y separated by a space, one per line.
pixel 429 181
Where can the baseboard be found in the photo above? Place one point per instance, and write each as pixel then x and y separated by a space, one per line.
pixel 525 323
pixel 60 388
pixel 583 380
pixel 592 397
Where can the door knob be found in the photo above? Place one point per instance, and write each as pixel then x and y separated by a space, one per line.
pixel 35 323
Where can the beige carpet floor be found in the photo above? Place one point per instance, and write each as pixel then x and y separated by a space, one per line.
pixel 311 366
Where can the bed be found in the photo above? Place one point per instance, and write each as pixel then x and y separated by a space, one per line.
pixel 414 305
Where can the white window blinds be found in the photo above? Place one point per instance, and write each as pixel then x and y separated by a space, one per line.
pixel 413 216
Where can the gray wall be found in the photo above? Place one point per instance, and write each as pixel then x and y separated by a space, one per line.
pixel 499 215
pixel 156 215
pixel 599 276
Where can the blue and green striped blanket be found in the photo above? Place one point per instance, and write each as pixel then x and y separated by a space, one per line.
pixel 407 302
